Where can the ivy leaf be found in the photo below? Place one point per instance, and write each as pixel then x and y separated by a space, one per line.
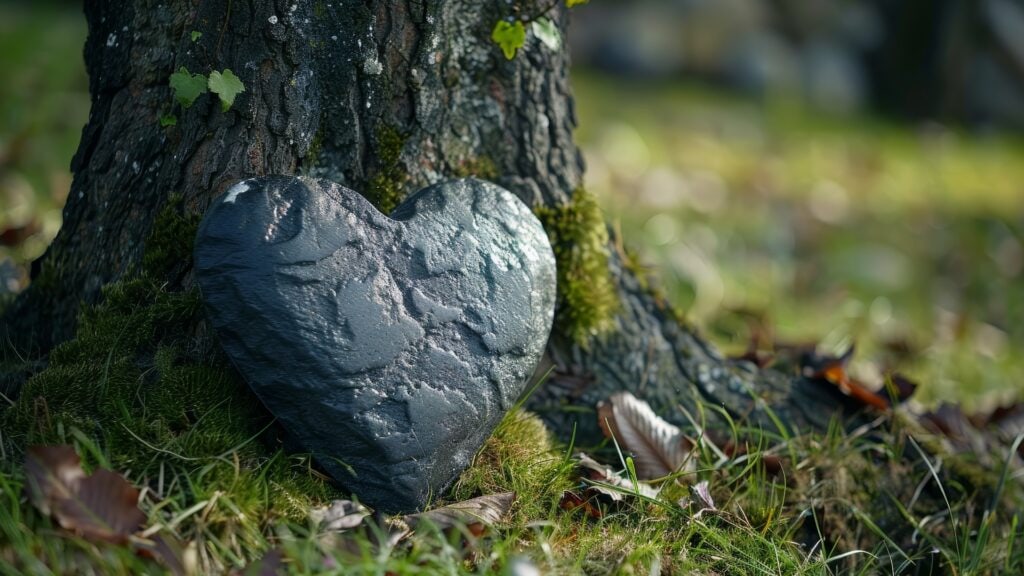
pixel 571 3
pixel 510 36
pixel 196 35
pixel 548 33
pixel 168 120
pixel 187 87
pixel 225 85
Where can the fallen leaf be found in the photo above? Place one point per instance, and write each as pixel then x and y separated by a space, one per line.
pixel 51 473
pixel 702 490
pixel 475 514
pixel 833 370
pixel 164 548
pixel 571 501
pixel 659 448
pixel 702 501
pixel 101 506
pixel 340 515
pixel 603 481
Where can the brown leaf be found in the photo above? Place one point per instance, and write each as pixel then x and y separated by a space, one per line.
pixel 571 501
pixel 51 472
pixel 658 448
pixel 102 506
pixel 475 514
pixel 164 548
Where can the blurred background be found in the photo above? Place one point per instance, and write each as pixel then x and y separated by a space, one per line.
pixel 794 171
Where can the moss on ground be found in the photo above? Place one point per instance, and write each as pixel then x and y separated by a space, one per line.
pixel 587 297
pixel 143 389
pixel 387 188
pixel 521 457
pixel 157 400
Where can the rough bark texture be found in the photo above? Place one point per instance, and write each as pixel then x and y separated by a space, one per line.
pixel 382 97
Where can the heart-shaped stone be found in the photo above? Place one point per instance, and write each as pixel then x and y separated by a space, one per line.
pixel 389 348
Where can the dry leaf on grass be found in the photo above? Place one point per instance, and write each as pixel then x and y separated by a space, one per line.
pixel 702 490
pixel 164 548
pixel 476 514
pixel 658 448
pixel 340 515
pixel 572 501
pixel 604 481
pixel 101 506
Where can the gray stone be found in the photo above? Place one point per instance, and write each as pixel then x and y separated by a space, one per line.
pixel 389 347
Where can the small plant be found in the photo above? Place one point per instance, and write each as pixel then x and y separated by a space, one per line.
pixel 510 33
pixel 188 87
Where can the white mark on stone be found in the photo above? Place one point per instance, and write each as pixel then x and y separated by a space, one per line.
pixel 111 40
pixel 240 188
pixel 272 19
pixel 135 167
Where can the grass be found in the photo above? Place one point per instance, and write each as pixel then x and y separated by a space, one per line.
pixel 849 504
pixel 766 217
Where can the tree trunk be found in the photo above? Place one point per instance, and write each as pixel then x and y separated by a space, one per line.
pixel 384 98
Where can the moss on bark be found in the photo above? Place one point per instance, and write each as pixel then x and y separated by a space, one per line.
pixel 387 187
pixel 587 299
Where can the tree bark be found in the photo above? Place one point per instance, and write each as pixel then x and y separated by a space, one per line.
pixel 382 97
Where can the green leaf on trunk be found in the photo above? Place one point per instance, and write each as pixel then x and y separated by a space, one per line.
pixel 225 85
pixel 571 3
pixel 187 86
pixel 196 35
pixel 168 120
pixel 548 33
pixel 510 36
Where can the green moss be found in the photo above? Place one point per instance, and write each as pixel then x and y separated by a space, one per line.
pixel 315 147
pixel 169 245
pixel 161 403
pixel 387 188
pixel 587 299
pixel 520 457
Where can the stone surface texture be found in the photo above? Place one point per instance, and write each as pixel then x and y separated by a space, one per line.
pixel 389 347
